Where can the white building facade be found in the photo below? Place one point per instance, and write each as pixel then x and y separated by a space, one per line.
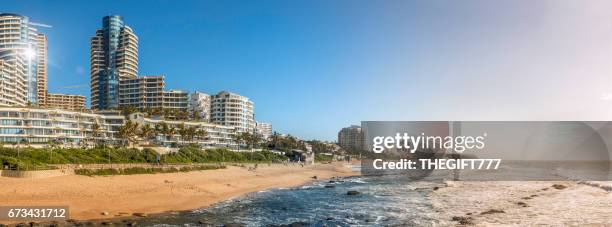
pixel 230 109
pixel 264 129
pixel 199 105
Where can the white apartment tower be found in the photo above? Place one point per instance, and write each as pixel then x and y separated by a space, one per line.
pixel 233 110
pixel 22 60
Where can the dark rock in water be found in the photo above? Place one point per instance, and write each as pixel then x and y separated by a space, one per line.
pixel 233 225
pixel 493 211
pixel 205 223
pixel 559 186
pixel 329 218
pixel 353 193
pixel 463 220
pixel 332 181
pixel 330 186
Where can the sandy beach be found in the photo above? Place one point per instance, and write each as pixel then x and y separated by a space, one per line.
pixel 525 203
pixel 90 197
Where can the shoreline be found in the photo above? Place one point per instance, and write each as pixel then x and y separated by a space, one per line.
pixel 119 197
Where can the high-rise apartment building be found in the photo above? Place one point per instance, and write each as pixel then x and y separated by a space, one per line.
pixel 142 92
pixel 41 71
pixel 13 88
pixel 199 105
pixel 147 92
pixel 176 99
pixel 351 138
pixel 233 110
pixel 264 129
pixel 65 101
pixel 22 49
pixel 114 57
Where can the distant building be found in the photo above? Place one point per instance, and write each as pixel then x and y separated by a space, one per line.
pixel 233 110
pixel 199 105
pixel 64 101
pixel 351 138
pixel 147 92
pixel 114 57
pixel 264 129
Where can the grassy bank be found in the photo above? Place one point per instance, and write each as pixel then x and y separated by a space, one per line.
pixel 35 158
pixel 140 170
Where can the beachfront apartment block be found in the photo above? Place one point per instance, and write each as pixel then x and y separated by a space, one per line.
pixel 147 92
pixel 36 126
pixel 264 129
pixel 42 126
pixel 199 105
pixel 176 99
pixel 113 57
pixel 23 53
pixel 230 109
pixel 216 135
pixel 65 101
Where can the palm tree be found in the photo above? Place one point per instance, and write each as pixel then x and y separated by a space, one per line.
pixel 201 133
pixel 146 132
pixel 128 132
pixel 95 130
pixel 238 138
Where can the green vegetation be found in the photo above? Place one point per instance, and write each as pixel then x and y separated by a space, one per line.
pixel 140 170
pixel 285 143
pixel 34 158
pixel 323 158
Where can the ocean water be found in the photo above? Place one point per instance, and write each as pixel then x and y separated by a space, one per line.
pixel 393 200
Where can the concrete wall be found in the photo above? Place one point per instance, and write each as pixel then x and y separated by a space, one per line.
pixel 36 174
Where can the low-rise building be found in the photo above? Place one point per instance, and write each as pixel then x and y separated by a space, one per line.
pixel 216 135
pixel 33 125
pixel 43 126
pixel 65 101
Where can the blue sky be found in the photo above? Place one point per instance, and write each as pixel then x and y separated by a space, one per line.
pixel 312 67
